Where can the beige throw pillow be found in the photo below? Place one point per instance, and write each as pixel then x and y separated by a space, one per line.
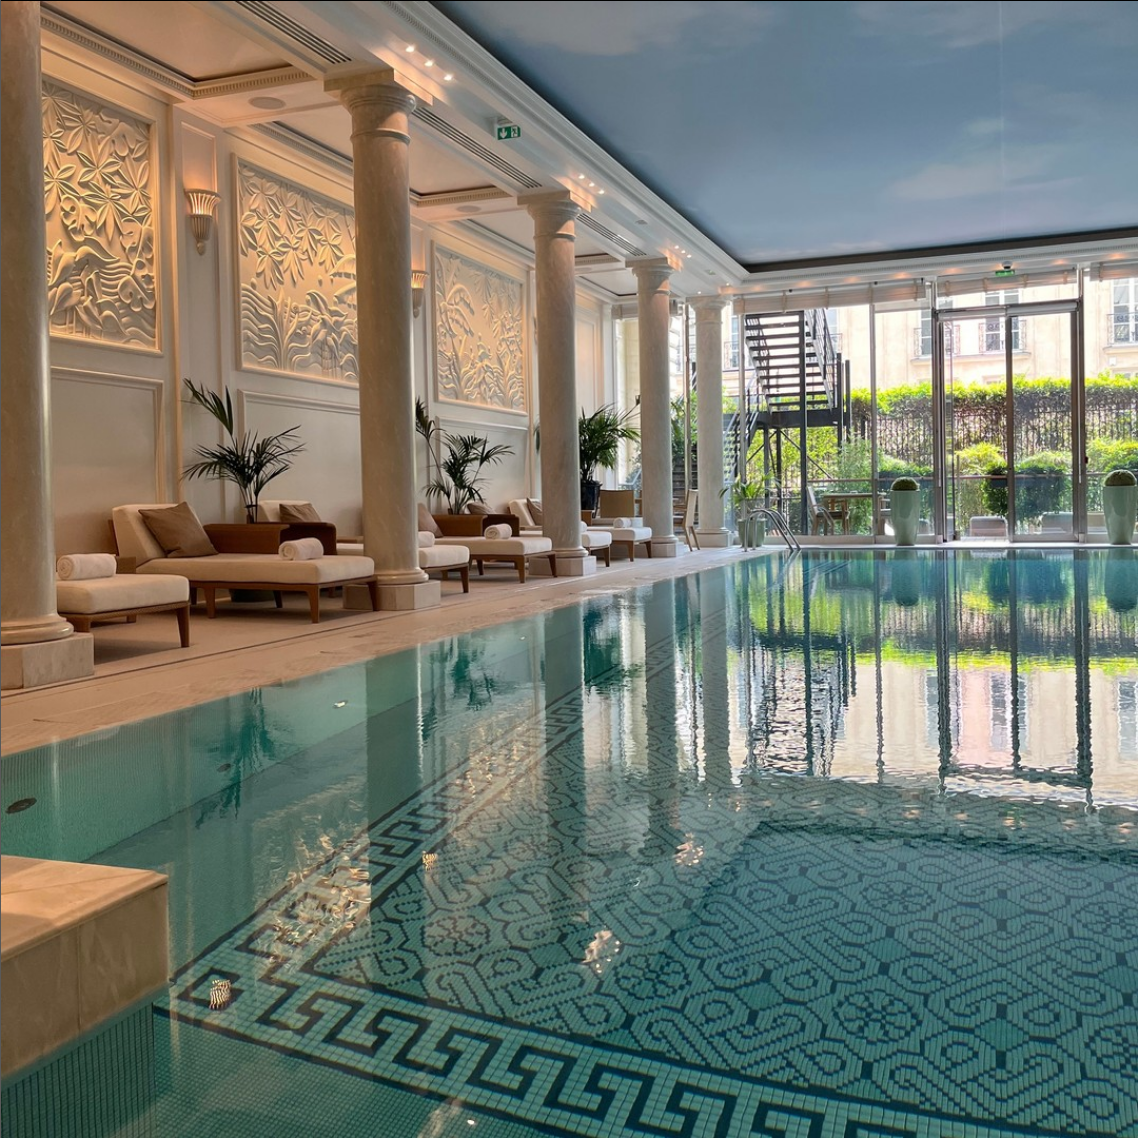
pixel 302 512
pixel 535 511
pixel 178 531
pixel 427 523
pixel 479 508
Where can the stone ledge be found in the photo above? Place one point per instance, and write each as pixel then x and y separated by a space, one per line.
pixel 79 943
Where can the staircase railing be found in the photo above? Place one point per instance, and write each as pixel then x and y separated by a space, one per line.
pixel 818 329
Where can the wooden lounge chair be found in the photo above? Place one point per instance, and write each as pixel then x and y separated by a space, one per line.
pixel 234 567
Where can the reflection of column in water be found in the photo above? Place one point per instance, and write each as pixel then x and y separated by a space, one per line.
pixel 1083 761
pixel 563 775
pixel 878 600
pixel 713 652
pixel 664 832
pixel 939 569
pixel 394 761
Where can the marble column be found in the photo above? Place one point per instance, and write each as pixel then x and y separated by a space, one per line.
pixel 654 311
pixel 554 214
pixel 380 105
pixel 37 646
pixel 709 422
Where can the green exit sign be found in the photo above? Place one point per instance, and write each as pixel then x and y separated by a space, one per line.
pixel 1004 273
pixel 508 130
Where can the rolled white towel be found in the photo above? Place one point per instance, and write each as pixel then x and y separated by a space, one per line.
pixel 85 566
pixel 584 527
pixel 622 523
pixel 303 549
pixel 426 539
pixel 498 532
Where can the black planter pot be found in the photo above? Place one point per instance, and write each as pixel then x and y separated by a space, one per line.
pixel 590 495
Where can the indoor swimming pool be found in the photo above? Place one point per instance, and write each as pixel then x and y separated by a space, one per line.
pixel 838 845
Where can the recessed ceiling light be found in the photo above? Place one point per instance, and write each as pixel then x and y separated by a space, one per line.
pixel 448 77
pixel 409 49
pixel 580 177
pixel 688 255
pixel 592 184
pixel 641 222
pixel 428 63
pixel 266 102
pixel 600 191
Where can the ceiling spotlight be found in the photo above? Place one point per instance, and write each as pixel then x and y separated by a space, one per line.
pixel 580 177
pixel 688 255
pixel 428 63
pixel 448 77
pixel 409 49
pixel 600 191
pixel 592 184
pixel 675 246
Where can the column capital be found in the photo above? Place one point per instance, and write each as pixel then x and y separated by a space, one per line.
pixel 552 210
pixel 372 96
pixel 653 271
pixel 708 308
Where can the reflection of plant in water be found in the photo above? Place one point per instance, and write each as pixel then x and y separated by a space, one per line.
pixel 1043 580
pixel 245 748
pixel 604 670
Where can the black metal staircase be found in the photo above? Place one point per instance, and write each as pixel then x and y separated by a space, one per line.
pixel 797 366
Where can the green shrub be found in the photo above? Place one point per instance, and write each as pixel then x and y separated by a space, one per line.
pixel 1120 478
pixel 1043 485
pixel 994 489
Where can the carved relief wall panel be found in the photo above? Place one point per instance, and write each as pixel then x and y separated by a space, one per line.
pixel 479 334
pixel 297 278
pixel 100 220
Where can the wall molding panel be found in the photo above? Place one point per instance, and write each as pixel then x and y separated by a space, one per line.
pixel 480 328
pixel 91 476
pixel 296 255
pixel 100 173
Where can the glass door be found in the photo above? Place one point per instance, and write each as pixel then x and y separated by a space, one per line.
pixel 1012 422
pixel 1039 351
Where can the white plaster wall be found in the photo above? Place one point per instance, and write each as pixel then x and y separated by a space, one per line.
pixel 123 429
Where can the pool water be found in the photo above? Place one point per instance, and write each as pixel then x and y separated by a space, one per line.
pixel 843 844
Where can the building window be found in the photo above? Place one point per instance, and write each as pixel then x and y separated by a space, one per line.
pixel 1124 312
pixel 925 331
pixel 994 325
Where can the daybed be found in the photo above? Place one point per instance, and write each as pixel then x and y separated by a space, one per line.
pixel 231 570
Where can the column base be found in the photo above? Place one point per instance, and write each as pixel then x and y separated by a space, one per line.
pixel 50 662
pixel 664 547
pixel 395 598
pixel 568 566
pixel 714 539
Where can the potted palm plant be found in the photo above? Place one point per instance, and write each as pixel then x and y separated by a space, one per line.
pixel 599 437
pixel 460 473
pixel 745 495
pixel 1119 505
pixel 248 460
pixel 905 510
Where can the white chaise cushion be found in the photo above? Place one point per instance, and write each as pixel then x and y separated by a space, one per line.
pixel 435 556
pixel 124 591
pixel 131 535
pixel 444 557
pixel 263 568
pixel 596 539
pixel 524 546
pixel 634 533
pixel 519 507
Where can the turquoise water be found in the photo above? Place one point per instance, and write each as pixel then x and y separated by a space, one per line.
pixel 844 844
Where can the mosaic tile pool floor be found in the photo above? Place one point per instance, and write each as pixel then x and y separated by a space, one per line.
pixel 774 852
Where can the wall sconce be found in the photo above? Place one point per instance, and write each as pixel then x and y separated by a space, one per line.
pixel 418 290
pixel 203 205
